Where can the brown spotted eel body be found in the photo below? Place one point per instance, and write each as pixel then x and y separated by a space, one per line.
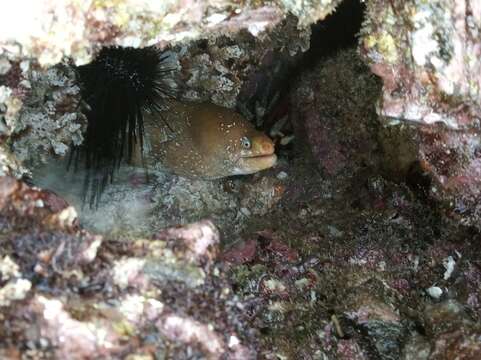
pixel 205 141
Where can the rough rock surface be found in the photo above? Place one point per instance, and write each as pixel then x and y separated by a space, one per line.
pixel 65 293
pixel 343 255
pixel 427 55
pixel 52 30
pixel 222 45
pixel 49 30
pixel 134 206
pixel 350 265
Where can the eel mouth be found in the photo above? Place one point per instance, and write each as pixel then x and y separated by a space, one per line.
pixel 252 164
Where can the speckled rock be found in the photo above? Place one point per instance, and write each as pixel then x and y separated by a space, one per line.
pixel 39 112
pixel 327 108
pixel 217 48
pixel 367 249
pixel 308 12
pixel 9 165
pixel 67 293
pixel 427 55
pixel 73 29
pixel 456 335
pixel 224 67
pixel 336 261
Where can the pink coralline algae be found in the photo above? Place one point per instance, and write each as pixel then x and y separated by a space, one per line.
pixel 427 55
pixel 98 298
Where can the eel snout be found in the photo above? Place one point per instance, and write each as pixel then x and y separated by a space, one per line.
pixel 260 157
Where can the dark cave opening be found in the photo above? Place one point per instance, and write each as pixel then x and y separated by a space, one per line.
pixel 337 31
pixel 279 74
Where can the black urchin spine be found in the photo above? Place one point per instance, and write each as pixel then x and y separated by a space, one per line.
pixel 119 85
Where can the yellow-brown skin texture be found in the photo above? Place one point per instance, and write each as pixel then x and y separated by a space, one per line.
pixel 206 141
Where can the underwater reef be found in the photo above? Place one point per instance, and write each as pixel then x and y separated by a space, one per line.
pixel 362 242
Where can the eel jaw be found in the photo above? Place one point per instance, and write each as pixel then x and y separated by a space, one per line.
pixel 252 164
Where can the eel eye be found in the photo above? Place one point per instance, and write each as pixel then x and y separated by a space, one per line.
pixel 246 143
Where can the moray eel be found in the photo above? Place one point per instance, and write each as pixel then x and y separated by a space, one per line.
pixel 205 141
